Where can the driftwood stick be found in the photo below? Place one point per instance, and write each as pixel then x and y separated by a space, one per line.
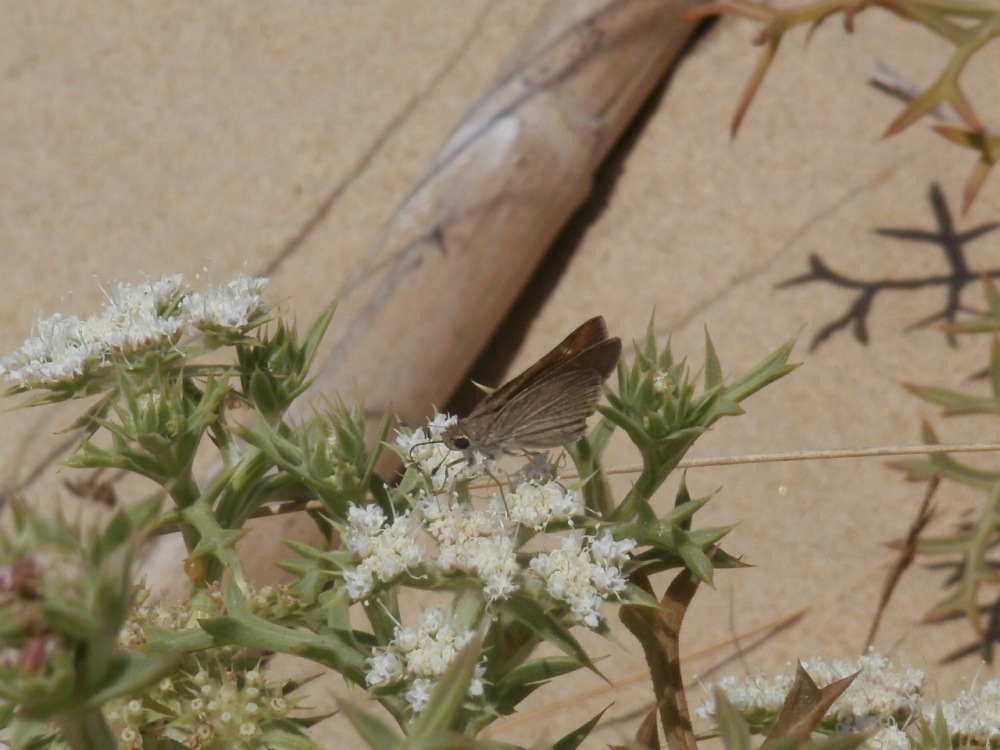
pixel 459 249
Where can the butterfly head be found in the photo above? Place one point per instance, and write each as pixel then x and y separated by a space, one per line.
pixel 455 438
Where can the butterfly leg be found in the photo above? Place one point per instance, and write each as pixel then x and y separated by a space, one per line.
pixel 538 469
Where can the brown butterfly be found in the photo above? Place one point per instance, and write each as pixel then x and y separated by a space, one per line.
pixel 548 404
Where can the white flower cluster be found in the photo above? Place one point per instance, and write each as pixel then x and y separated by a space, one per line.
pixel 138 317
pixel 471 541
pixel 878 691
pixel 539 505
pixel 583 572
pixel 474 542
pixel 228 306
pixel 214 707
pixel 756 696
pixel 422 655
pixel 880 696
pixel 385 552
pixel 888 737
pixel 974 717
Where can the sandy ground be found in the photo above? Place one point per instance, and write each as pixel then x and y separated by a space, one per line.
pixel 148 138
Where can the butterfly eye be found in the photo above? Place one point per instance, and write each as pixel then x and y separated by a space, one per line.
pixel 460 443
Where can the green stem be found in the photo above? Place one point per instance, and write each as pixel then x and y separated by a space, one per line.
pixel 219 541
pixel 183 490
pixel 87 729
pixel 234 489
pixel 594 489
pixel 228 448
pixel 655 471
pixel 645 486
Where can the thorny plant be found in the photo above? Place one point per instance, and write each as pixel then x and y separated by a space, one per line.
pixel 969 25
pixel 508 572
pixel 974 544
pixel 88 660
pixel 882 704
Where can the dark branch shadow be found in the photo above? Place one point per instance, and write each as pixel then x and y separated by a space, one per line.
pixel 958 572
pixel 946 238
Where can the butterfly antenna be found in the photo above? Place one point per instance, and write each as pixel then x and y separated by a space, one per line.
pixel 503 497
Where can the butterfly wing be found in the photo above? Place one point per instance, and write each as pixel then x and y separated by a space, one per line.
pixel 553 412
pixel 586 336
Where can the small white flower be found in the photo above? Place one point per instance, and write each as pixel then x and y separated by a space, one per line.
pixel 365 522
pixel 662 383
pixel 56 351
pixel 974 715
pixel 432 619
pixel 359 582
pixel 419 694
pixel 472 541
pixel 137 318
pixel 753 696
pixel 227 306
pixel 128 735
pixel 888 738
pixel 476 688
pixel 384 667
pixel 536 506
pixel 879 694
pixel 385 551
pixel 422 655
pixel 406 639
pixel 606 550
pixel 583 572
pixel 879 689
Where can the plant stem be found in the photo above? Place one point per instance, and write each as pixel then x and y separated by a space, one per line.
pixel 87 729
